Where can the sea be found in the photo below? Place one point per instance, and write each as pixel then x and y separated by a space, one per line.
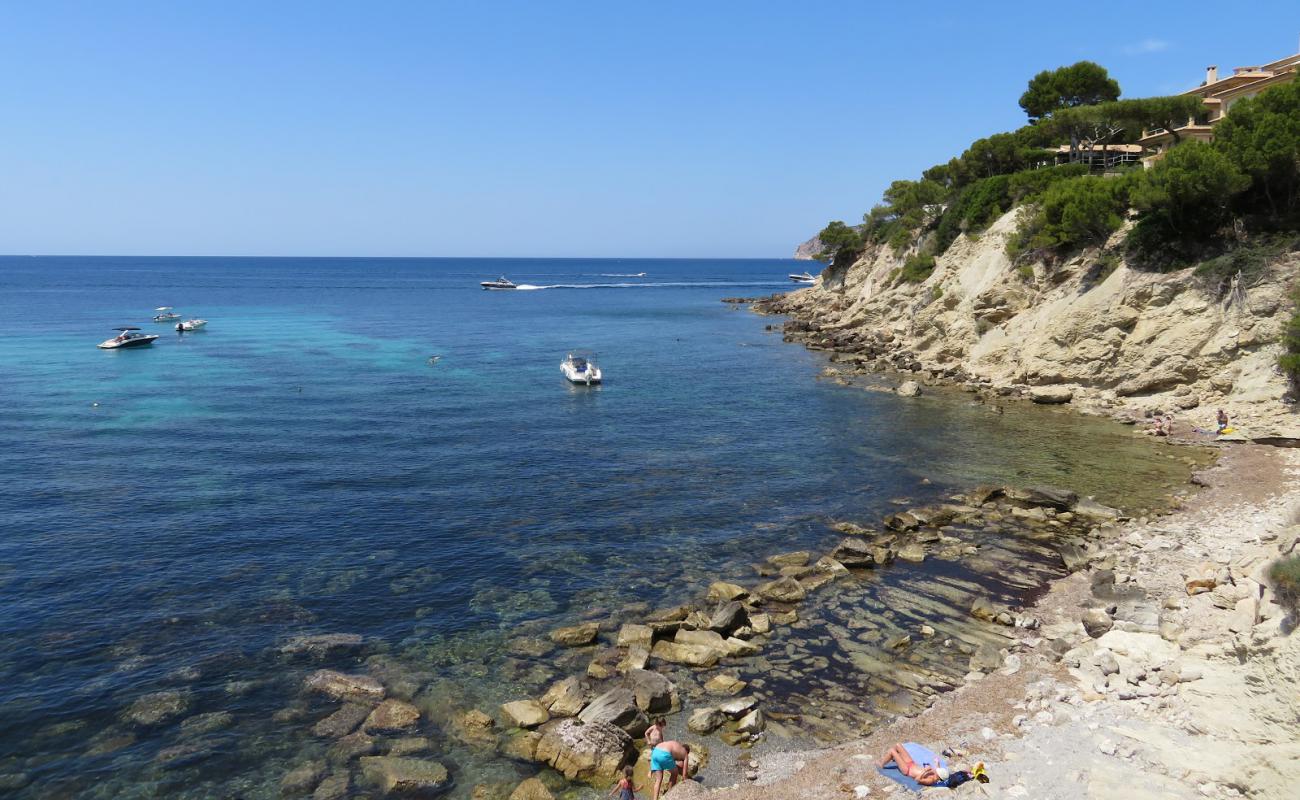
pixel 379 447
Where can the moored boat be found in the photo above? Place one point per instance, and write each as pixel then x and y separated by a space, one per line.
pixel 165 314
pixel 127 337
pixel 191 324
pixel 579 366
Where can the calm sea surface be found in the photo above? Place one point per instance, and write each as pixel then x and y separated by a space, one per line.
pixel 170 516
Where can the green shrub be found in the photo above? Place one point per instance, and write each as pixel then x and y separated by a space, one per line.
pixel 917 268
pixel 1289 361
pixel 1284 577
pixel 1183 203
pixel 1074 213
pixel 1025 272
pixel 936 293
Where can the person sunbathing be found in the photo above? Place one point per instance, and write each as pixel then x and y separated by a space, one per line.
pixel 924 774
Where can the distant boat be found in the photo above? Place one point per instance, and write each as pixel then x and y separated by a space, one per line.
pixel 580 367
pixel 804 278
pixel 499 283
pixel 191 324
pixel 127 337
pixel 165 314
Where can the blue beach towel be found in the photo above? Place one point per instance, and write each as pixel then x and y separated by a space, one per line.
pixel 921 755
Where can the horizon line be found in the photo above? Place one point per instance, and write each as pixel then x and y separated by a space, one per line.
pixel 414 258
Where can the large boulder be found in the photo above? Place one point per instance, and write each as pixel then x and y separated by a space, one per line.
pixel 632 633
pixel 653 692
pixel 406 776
pixel 1051 395
pixel 1097 622
pixel 705 720
pixel 576 635
pixel 617 707
pixel 392 716
pixel 566 698
pixel 728 617
pixel 594 752
pixel 725 592
pixel 340 686
pixel 783 590
pixel 854 552
pixel 909 389
pixel 525 713
pixel 692 655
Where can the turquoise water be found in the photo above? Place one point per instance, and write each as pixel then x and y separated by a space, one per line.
pixel 172 514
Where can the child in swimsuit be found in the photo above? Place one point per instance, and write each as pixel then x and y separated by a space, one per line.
pixel 626 790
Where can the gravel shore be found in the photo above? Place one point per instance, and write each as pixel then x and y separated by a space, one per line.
pixel 1182 682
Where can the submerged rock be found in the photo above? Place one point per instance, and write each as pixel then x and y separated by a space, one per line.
pixel 343 721
pixel 319 645
pixel 1059 499
pixel 302 779
pixel 158 708
pixel 341 686
pixel 396 775
pixel 392 716
pixel 201 724
pixel 531 789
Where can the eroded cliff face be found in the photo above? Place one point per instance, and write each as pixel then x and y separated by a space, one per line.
pixel 1121 342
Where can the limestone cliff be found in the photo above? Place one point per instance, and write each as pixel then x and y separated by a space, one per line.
pixel 809 249
pixel 1119 341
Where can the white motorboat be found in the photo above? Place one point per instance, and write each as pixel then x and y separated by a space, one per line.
pixel 128 337
pixel 165 314
pixel 499 283
pixel 191 325
pixel 804 278
pixel 580 367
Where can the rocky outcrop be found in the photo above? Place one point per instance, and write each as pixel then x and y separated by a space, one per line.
pixel 1122 342
pixel 809 249
pixel 593 752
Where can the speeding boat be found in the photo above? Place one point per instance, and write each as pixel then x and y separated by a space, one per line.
pixel 127 337
pixel 580 367
pixel 499 283
pixel 165 314
pixel 804 278
pixel 191 324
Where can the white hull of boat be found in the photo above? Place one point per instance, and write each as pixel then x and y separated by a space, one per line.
pixel 192 324
pixel 121 344
pixel 587 377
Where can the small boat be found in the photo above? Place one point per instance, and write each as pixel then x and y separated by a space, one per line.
pixel 165 314
pixel 499 283
pixel 127 337
pixel 191 324
pixel 804 278
pixel 580 367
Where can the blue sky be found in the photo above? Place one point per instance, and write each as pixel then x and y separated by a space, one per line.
pixel 673 129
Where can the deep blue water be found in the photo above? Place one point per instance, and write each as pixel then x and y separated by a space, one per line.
pixel 168 515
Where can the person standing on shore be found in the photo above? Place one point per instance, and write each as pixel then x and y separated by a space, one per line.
pixel 654 735
pixel 1222 419
pixel 672 758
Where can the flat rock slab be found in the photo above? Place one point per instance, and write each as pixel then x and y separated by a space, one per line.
pixel 397 776
pixel 576 635
pixel 525 713
pixel 341 686
pixel 392 716
pixel 343 721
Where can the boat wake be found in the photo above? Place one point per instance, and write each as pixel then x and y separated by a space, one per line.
pixel 620 275
pixel 660 285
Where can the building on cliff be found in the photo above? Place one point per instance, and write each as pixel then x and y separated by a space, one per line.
pixel 1217 96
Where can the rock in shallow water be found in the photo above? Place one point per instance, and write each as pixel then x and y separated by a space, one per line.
pixel 158 708
pixel 344 687
pixel 592 752
pixel 617 707
pixel 392 716
pixel 302 779
pixel 525 713
pixel 783 590
pixel 396 776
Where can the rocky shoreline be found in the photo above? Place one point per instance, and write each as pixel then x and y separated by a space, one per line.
pixel 1164 656
pixel 812 648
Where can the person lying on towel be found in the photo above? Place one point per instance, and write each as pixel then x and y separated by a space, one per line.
pixel 927 774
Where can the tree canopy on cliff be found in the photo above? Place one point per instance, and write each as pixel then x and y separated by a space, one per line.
pixel 841 244
pixel 1081 84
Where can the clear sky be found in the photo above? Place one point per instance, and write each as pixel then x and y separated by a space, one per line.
pixel 610 128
